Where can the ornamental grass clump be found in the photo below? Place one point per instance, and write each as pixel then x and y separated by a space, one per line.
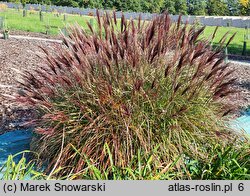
pixel 128 85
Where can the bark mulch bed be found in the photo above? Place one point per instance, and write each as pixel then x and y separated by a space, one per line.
pixel 17 55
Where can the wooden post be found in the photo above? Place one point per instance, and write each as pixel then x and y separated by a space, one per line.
pixel 6 34
pixel 226 55
pixel 244 51
pixel 1 23
pixel 24 12
pixel 41 15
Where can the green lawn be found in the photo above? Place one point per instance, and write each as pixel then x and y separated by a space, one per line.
pixel 236 45
pixel 32 23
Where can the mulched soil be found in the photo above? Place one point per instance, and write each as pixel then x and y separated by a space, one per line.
pixel 21 55
pixel 17 55
pixel 239 101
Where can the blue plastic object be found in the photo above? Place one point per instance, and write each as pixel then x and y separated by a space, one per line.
pixel 14 142
pixel 243 122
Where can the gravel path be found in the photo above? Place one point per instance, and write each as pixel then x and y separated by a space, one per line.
pixel 20 54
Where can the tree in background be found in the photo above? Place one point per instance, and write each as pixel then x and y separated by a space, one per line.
pixel 70 3
pixel 190 7
pixel 47 2
pixel 181 7
pixel 34 1
pixel 132 5
pixel 196 7
pixel 113 4
pixel 13 1
pixel 217 8
pixel 153 6
pixel 169 5
pixel 245 7
pixel 91 3
pixel 233 7
pixel 23 2
pixel 244 2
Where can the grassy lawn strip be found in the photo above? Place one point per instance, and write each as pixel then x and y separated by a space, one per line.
pixel 32 23
pixel 236 45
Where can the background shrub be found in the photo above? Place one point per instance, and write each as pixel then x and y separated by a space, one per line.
pixel 129 85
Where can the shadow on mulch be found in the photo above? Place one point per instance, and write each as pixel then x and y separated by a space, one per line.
pixel 244 85
pixel 14 119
